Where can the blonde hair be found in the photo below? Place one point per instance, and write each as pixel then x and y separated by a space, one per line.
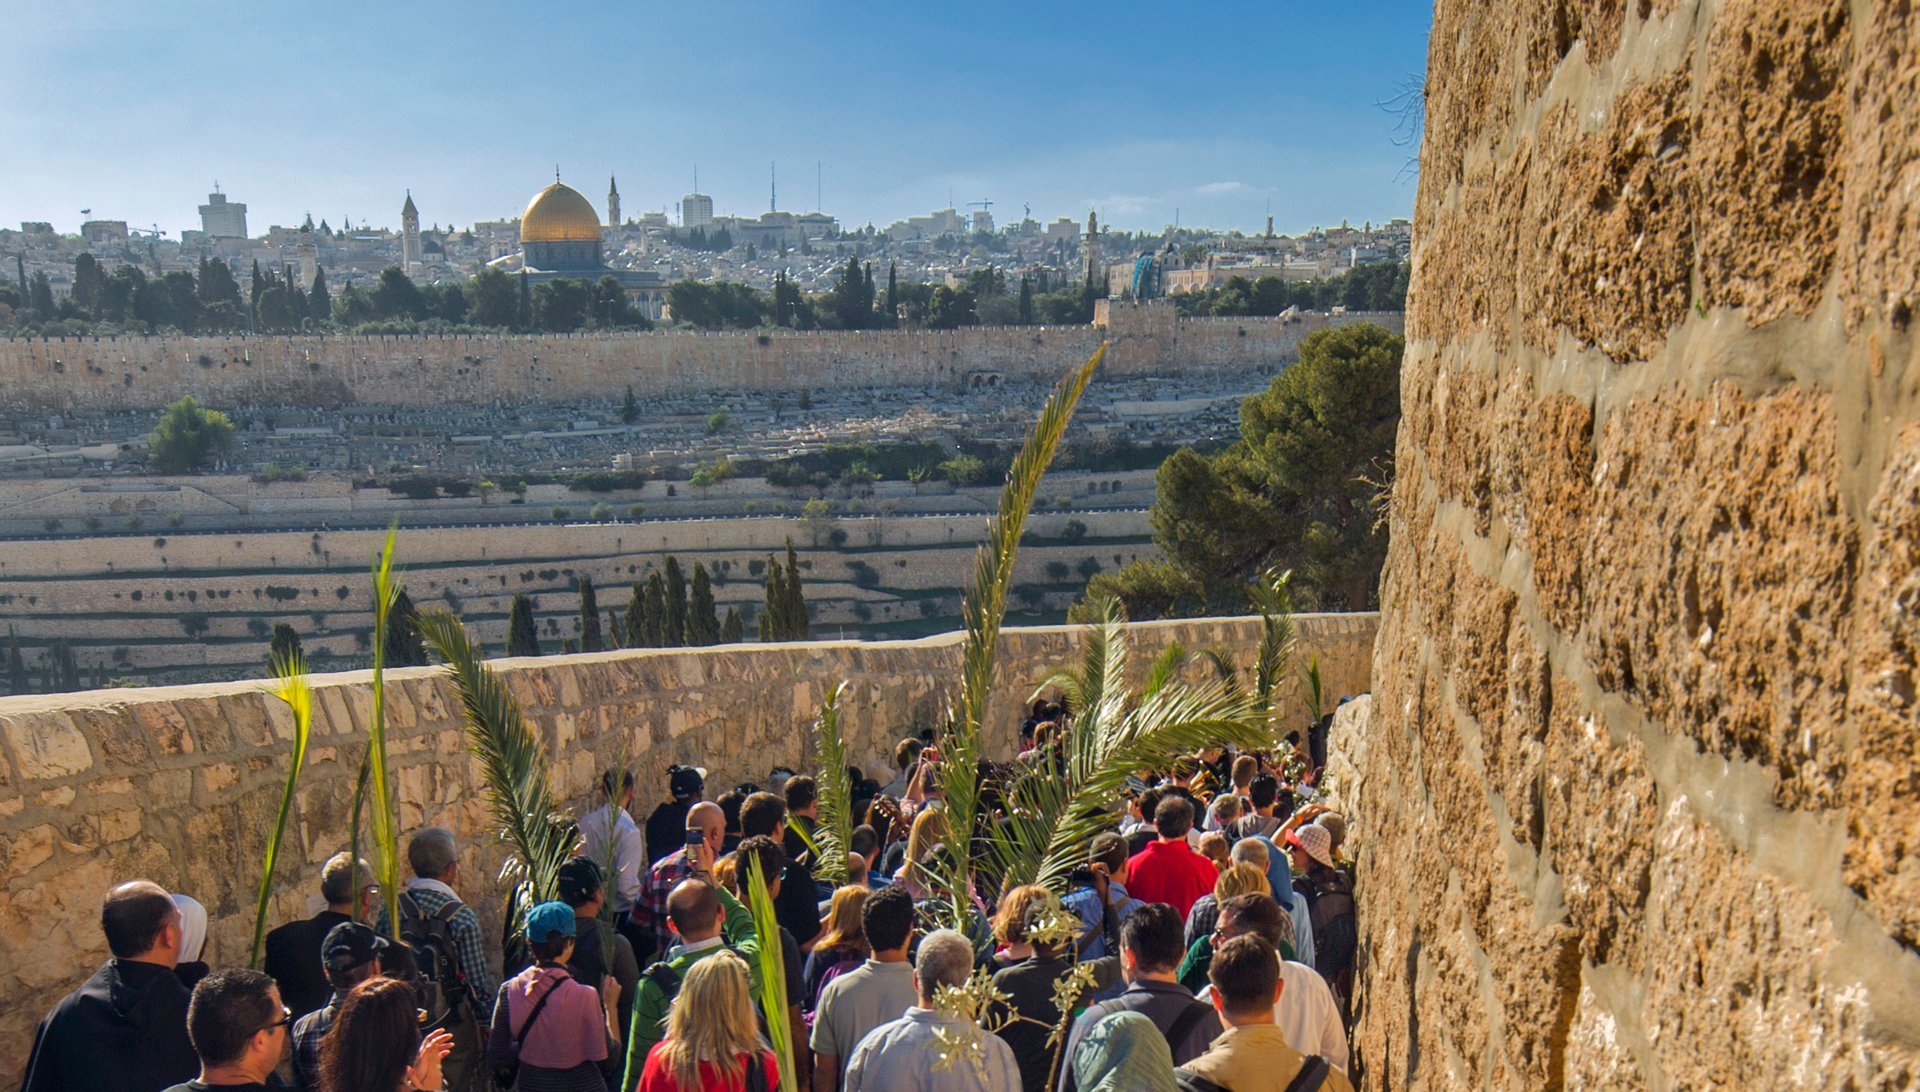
pixel 929 830
pixel 1213 846
pixel 843 920
pixel 712 1018
pixel 1241 879
pixel 726 871
pixel 1010 924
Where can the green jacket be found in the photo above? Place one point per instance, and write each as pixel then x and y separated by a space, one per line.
pixel 651 1002
pixel 1199 960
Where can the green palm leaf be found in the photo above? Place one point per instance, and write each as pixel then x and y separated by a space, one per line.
pixel 386 827
pixel 835 833
pixel 773 974
pixel 513 763
pixel 290 685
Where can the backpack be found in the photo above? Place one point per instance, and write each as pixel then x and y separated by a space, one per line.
pixel 442 985
pixel 665 977
pixel 1311 1076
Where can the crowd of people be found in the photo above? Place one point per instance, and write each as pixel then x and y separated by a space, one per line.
pixel 1211 933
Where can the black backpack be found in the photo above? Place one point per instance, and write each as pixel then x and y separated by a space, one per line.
pixel 442 984
pixel 1311 1076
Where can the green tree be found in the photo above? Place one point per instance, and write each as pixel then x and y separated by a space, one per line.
pixel 523 315
pixel 189 437
pixel 798 626
pixel 950 309
pixel 319 303
pixel 88 278
pixel 1146 589
pixel 773 612
pixel 1297 490
pixel 703 625
pixel 674 633
pixel 733 630
pixel 491 300
pixel 891 315
pixel 560 306
pixel 17 679
pixel 1026 300
pixel 64 672
pixel 616 629
pixel 637 617
pixel 590 639
pixel 656 634
pixel 395 296
pixel 405 645
pixel 629 408
pixel 285 644
pixel 523 635
pixel 40 296
pixel 217 284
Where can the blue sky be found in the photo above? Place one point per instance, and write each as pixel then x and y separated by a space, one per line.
pixel 134 107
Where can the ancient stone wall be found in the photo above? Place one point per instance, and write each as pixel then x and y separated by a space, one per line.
pixel 64 374
pixel 180 784
pixel 1638 797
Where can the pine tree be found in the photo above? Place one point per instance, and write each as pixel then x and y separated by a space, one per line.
pixel 765 626
pixel 284 645
pixel 319 303
pixel 590 640
pixel 733 631
pixel 616 629
pixel 772 615
pixel 523 636
pixel 405 646
pixel 674 633
pixel 1026 300
pixel 703 626
pixel 629 408
pixel 797 624
pixel 637 617
pixel 892 309
pixel 656 633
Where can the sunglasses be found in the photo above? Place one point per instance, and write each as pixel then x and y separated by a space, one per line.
pixel 285 1021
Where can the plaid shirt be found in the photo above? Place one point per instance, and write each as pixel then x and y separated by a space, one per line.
pixel 307 1033
pixel 464 927
pixel 650 911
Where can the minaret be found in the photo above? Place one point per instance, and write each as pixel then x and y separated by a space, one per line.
pixel 409 237
pixel 613 203
pixel 309 256
pixel 1093 247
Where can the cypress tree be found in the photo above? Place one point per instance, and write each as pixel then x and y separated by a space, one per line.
pixel 795 615
pixel 259 283
pixel 589 618
pixel 674 633
pixel 616 630
pixel 69 671
pixel 405 646
pixel 866 294
pixel 285 643
pixel 703 626
pixel 892 309
pixel 733 631
pixel 772 616
pixel 1026 300
pixel 17 679
pixel 525 319
pixel 319 302
pixel 523 637
pixel 637 617
pixel 765 626
pixel 656 630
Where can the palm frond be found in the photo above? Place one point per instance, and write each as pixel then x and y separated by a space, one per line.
pixel 984 609
pixel 836 793
pixel 290 685
pixel 359 809
pixel 1274 598
pixel 386 827
pixel 1224 668
pixel 513 762
pixel 1166 666
pixel 1313 686
pixel 773 972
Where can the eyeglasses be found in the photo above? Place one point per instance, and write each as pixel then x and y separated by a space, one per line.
pixel 285 1021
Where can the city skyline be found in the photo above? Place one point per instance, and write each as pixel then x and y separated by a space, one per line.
pixel 1042 109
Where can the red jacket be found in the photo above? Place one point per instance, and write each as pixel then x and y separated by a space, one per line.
pixel 1170 872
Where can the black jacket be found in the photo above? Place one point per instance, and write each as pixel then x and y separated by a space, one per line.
pixel 123 1029
pixel 293 959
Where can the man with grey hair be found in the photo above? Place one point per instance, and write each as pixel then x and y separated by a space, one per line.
pixel 432 915
pixel 293 950
pixel 901 1056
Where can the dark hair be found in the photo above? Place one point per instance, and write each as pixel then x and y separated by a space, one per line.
pixel 1109 849
pixel 764 853
pixel 1264 790
pixel 1254 915
pixel 133 917
pixel 692 906
pixel 906 752
pixel 373 1040
pixel 730 802
pixel 802 791
pixel 550 949
pixel 1244 973
pixel 865 840
pixel 1155 934
pixel 615 783
pixel 762 814
pixel 1173 816
pixel 1150 800
pixel 228 1007
pixel 887 918
pixel 580 880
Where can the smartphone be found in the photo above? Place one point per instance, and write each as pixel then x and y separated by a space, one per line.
pixel 696 836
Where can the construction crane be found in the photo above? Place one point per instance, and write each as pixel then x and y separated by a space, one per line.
pixel 983 203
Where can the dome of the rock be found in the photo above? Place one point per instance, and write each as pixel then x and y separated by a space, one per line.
pixel 558 214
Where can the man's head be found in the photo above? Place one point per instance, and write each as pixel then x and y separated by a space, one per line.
pixel 1111 850
pixel 887 919
pixel 237 1023
pixel 1262 791
pixel 1250 851
pixel 711 822
pixel 945 959
pixel 350 955
pixel 1254 915
pixel 906 753
pixel 1151 942
pixel 581 884
pixel 764 854
pixel 616 786
pixel 1149 802
pixel 433 855
pixel 347 889
pixel 141 923
pixel 695 911
pixel 1173 817
pixel 685 783
pixel 729 803
pixel 1244 769
pixel 763 815
pixel 1246 980
pixel 866 841
pixel 1225 808
pixel 803 796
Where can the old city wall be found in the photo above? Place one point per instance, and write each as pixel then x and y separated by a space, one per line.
pixel 180 784
pixel 1638 787
pixel 67 374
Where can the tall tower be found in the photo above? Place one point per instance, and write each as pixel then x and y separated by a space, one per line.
pixel 409 236
pixel 309 256
pixel 1093 247
pixel 613 203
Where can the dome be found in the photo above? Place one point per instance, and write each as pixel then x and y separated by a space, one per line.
pixel 558 214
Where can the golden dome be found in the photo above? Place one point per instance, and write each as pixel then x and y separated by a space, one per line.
pixel 558 214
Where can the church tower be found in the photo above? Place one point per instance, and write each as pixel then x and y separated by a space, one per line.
pixel 613 203
pixel 1093 247
pixel 309 256
pixel 409 237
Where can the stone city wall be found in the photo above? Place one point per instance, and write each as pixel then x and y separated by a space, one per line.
pixel 1638 803
pixel 180 784
pixel 65 374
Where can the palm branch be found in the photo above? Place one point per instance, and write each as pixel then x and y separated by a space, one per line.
pixel 984 609
pixel 1313 686
pixel 386 827
pixel 773 972
pixel 513 763
pixel 835 832
pixel 290 685
pixel 1273 596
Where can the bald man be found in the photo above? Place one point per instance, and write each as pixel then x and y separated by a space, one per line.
pixel 650 912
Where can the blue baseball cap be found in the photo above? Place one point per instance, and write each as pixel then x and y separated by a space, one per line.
pixel 549 920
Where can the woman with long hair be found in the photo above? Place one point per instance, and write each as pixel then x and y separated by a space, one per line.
pixel 713 1039
pixel 929 831
pixel 375 1045
pixel 842 945
pixel 1010 923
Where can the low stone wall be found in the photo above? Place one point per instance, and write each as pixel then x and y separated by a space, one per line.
pixel 179 784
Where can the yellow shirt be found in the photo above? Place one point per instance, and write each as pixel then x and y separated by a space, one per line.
pixel 1256 1058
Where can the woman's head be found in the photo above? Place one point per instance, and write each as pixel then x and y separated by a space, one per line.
pixel 1241 879
pixel 929 830
pixel 1010 923
pixel 373 1040
pixel 843 919
pixel 1213 845
pixel 712 1018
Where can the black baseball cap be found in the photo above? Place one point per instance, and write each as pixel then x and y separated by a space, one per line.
pixel 684 781
pixel 349 945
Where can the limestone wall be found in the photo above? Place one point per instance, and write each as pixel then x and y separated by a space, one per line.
pixel 1638 796
pixel 62 374
pixel 180 784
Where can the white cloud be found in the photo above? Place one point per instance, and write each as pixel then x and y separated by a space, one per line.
pixel 1215 189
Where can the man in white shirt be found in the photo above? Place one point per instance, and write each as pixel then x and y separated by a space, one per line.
pixel 1305 1011
pixel 611 837
pixel 902 1055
